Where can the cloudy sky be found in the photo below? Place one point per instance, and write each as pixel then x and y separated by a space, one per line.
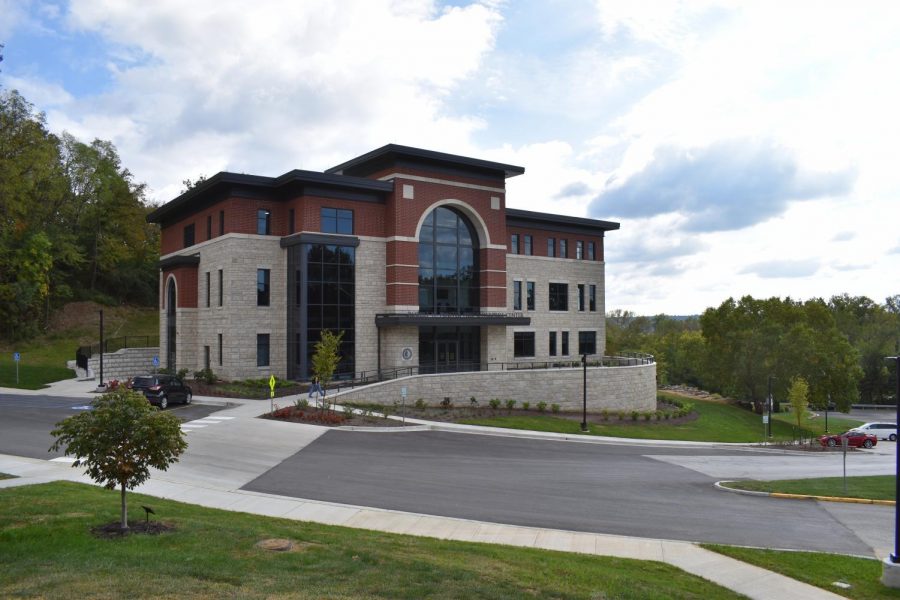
pixel 745 147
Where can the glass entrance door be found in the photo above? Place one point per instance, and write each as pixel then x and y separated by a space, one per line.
pixel 447 357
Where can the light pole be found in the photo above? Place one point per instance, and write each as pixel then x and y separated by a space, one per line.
pixel 769 406
pixel 895 556
pixel 101 347
pixel 584 426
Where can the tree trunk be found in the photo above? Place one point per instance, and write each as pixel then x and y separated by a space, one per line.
pixel 124 509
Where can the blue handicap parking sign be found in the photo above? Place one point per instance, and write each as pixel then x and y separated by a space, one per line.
pixel 17 357
pixel 155 361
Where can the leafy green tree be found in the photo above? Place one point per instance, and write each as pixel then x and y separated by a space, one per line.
pixel 326 357
pixel 119 440
pixel 798 395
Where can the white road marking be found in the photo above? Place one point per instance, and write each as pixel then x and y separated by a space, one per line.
pixel 64 459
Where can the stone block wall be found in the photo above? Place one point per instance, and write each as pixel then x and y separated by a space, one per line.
pixel 612 388
pixel 124 363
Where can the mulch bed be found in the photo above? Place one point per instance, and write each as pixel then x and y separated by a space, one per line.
pixel 330 419
pixel 114 529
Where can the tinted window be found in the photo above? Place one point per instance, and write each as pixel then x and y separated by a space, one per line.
pixel 263 222
pixel 559 296
pixel 337 220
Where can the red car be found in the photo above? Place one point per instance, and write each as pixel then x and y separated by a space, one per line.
pixel 855 439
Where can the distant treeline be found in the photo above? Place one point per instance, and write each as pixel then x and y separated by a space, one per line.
pixel 838 346
pixel 72 223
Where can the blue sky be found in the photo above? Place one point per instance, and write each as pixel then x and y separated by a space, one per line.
pixel 745 147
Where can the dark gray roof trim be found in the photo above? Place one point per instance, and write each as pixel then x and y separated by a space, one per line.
pixel 397 319
pixel 191 260
pixel 379 158
pixel 550 222
pixel 224 183
pixel 319 238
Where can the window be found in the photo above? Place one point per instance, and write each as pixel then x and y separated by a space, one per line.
pixel 206 362
pixel 529 245
pixel 221 222
pixel 523 344
pixel 592 253
pixel 189 235
pixel 330 298
pixel 209 227
pixel 529 295
pixel 565 343
pixel 517 295
pixel 592 297
pixel 448 264
pixel 262 349
pixel 290 221
pixel 559 296
pixel 551 247
pixel 579 250
pixel 564 248
pixel 262 287
pixel 581 296
pixel 263 222
pixel 552 343
pixel 221 287
pixel 587 342
pixel 220 349
pixel 514 243
pixel 337 220
pixel 208 285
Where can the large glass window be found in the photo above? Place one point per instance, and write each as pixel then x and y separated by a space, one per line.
pixel 592 253
pixel 262 349
pixel 529 295
pixel 587 342
pixel 564 248
pixel 559 296
pixel 529 245
pixel 514 243
pixel 337 220
pixel 579 249
pixel 263 222
pixel 517 295
pixel 262 287
pixel 449 349
pixel 551 247
pixel 523 344
pixel 330 299
pixel 448 264
pixel 592 297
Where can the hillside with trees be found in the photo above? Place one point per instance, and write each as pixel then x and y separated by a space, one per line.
pixel 837 347
pixel 72 223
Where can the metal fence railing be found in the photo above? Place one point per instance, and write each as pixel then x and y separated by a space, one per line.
pixel 83 353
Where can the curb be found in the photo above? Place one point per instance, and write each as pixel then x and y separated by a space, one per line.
pixel 720 485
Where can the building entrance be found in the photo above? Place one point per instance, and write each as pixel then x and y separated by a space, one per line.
pixel 449 349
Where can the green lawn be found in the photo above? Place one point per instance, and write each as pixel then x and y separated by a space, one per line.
pixel 873 487
pixel 819 569
pixel 715 422
pixel 44 358
pixel 47 551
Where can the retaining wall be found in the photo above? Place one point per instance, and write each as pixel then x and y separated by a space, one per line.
pixel 613 388
pixel 124 363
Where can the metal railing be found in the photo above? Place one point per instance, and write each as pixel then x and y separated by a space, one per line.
pixel 83 353
pixel 346 381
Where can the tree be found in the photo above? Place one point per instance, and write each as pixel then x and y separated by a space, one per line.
pixel 119 440
pixel 326 357
pixel 798 395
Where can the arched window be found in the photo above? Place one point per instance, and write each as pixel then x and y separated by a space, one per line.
pixel 448 263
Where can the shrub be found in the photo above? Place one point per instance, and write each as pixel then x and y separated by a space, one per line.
pixel 182 373
pixel 541 406
pixel 420 403
pixel 206 376
pixel 302 403
pixel 667 416
pixel 526 405
pixel 634 415
pixel 446 403
pixel 554 408
pixel 658 415
pixel 605 414
pixel 510 404
pixel 473 401
pixel 647 416
pixel 495 403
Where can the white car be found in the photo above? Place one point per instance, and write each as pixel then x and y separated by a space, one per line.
pixel 884 431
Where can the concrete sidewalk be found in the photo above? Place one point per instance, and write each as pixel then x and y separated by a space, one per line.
pixel 232 447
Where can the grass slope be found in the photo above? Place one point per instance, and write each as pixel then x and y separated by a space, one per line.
pixel 47 551
pixel 44 357
pixel 872 487
pixel 715 422
pixel 819 569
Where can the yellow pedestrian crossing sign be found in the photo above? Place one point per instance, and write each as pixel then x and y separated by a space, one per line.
pixel 272 385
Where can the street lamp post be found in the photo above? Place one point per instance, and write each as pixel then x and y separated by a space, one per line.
pixel 895 556
pixel 769 406
pixel 584 426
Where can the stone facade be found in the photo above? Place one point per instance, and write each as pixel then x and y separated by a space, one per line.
pixel 123 364
pixel 613 388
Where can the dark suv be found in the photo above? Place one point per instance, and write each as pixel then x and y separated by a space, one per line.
pixel 161 389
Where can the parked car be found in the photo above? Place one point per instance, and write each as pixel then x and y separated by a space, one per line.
pixel 884 431
pixel 161 389
pixel 855 439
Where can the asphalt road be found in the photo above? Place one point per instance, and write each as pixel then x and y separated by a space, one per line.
pixel 26 421
pixel 615 489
